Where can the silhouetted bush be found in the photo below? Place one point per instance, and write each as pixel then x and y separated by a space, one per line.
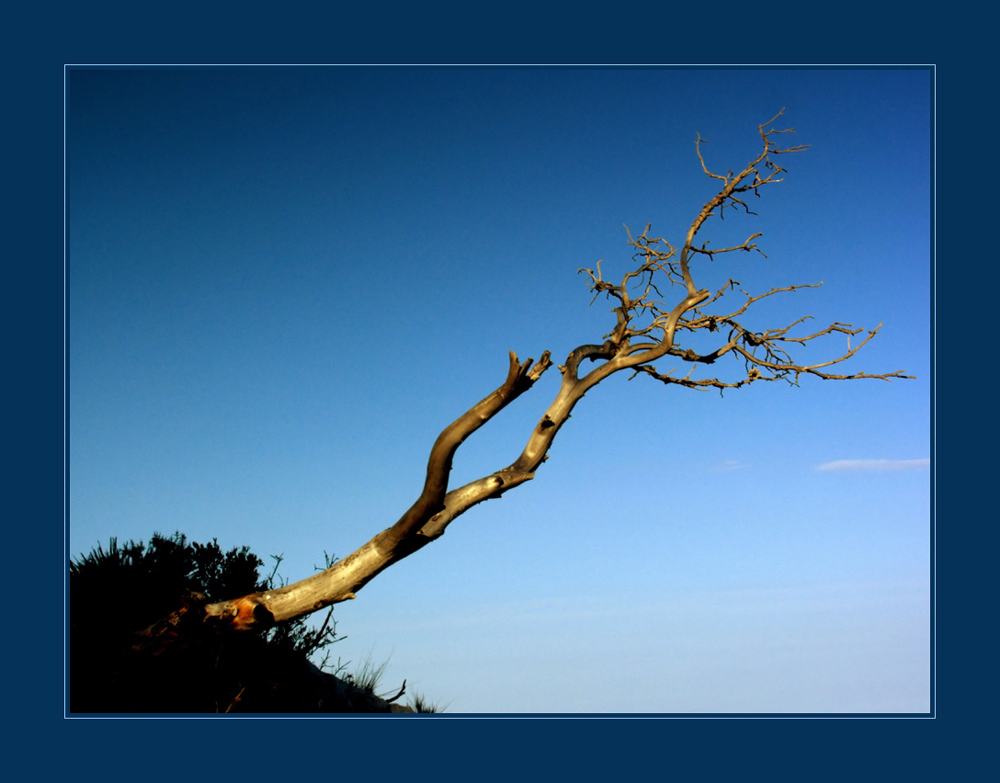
pixel 118 592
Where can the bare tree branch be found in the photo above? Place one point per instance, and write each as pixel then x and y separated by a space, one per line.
pixel 646 329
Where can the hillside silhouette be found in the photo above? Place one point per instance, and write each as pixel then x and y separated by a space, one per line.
pixel 116 593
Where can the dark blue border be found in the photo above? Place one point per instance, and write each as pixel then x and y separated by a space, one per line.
pixel 483 747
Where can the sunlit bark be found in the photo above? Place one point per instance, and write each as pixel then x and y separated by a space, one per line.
pixel 648 329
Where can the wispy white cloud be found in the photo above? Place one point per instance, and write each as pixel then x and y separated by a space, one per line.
pixel 729 464
pixel 876 464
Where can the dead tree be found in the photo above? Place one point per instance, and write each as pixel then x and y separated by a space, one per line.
pixel 649 329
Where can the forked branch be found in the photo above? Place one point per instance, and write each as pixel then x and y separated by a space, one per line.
pixel 647 328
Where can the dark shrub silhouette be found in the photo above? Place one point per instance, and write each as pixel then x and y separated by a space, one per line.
pixel 118 592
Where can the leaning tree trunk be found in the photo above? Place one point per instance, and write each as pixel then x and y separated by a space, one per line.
pixel 646 330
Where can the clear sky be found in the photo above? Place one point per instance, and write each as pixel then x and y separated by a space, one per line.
pixel 283 283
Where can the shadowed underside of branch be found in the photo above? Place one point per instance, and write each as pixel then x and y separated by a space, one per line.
pixel 649 327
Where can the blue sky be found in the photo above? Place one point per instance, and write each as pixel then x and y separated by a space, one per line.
pixel 283 283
